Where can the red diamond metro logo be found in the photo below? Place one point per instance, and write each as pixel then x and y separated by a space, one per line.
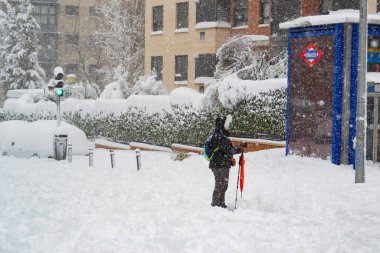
pixel 311 55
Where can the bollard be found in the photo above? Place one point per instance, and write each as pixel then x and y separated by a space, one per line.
pixel 91 157
pixel 70 153
pixel 138 158
pixel 112 158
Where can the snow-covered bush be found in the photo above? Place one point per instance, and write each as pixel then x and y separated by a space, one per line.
pixel 231 91
pixel 148 85
pixel 112 91
pixel 82 90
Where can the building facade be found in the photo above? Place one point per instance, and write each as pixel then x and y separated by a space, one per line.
pixel 373 6
pixel 76 48
pixel 282 11
pixel 182 37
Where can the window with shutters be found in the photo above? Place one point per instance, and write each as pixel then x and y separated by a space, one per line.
pixel 156 66
pixel 182 15
pixel 158 18
pixel 181 66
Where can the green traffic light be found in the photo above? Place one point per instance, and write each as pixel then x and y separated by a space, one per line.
pixel 59 92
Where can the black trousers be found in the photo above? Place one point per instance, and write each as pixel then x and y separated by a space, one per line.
pixel 221 184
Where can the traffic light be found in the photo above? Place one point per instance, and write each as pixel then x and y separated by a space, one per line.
pixel 59 92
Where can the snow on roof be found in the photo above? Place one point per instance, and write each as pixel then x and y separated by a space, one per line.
pixel 373 77
pixel 335 17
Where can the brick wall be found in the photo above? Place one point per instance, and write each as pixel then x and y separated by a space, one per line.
pixel 310 7
pixel 282 11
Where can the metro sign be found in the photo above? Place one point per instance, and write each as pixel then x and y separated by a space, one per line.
pixel 311 55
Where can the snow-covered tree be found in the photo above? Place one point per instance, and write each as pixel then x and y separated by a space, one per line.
pixel 21 66
pixel 123 40
pixel 148 85
pixel 8 41
pixel 240 60
pixel 239 56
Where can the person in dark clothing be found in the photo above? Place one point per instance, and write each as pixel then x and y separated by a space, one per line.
pixel 222 159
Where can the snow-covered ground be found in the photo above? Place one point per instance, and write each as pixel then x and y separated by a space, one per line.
pixel 289 204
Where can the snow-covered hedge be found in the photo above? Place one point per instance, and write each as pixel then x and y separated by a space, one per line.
pixel 261 116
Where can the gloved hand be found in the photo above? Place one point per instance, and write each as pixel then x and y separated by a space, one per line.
pixel 233 162
pixel 244 144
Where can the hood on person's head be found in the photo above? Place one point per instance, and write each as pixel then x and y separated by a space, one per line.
pixel 228 123
pixel 219 122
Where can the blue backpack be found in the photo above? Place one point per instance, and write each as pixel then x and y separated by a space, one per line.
pixel 208 152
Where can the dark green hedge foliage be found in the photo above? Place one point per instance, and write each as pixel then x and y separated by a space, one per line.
pixel 260 117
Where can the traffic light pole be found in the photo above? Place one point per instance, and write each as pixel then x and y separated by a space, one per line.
pixel 58 111
pixel 361 116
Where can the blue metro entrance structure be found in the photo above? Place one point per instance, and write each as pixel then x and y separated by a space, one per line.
pixel 322 85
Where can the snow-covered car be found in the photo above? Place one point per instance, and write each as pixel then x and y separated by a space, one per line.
pixel 28 139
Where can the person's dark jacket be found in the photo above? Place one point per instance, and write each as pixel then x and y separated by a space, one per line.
pixel 222 157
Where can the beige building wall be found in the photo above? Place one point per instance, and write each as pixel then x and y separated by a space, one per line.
pixel 84 25
pixel 172 43
pixel 372 6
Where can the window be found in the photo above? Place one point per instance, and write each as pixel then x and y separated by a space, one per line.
pixel 205 65
pixel 72 39
pixel 94 12
pixel 181 68
pixel 158 18
pixel 72 10
pixel 92 41
pixel 213 10
pixel 182 15
pixel 44 14
pixel 71 69
pixel 156 66
pixel 264 11
pixel 240 12
pixel 48 47
pixel 202 36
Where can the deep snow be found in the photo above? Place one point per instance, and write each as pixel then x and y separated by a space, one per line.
pixel 290 204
